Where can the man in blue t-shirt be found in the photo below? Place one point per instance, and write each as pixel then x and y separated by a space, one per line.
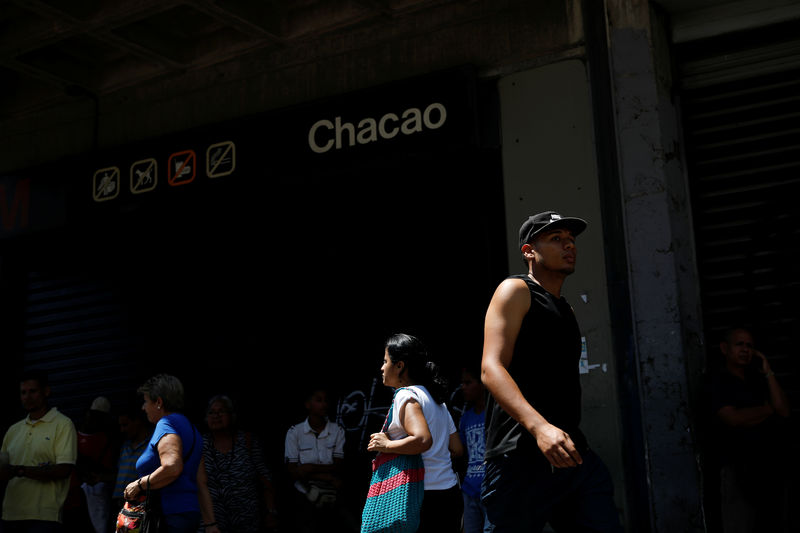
pixel 136 431
pixel 473 436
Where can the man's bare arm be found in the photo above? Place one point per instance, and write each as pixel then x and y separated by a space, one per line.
pixel 507 309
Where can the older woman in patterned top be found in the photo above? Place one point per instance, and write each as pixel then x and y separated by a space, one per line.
pixel 235 483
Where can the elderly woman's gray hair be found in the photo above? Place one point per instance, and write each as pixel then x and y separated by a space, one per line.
pixel 167 387
pixel 226 402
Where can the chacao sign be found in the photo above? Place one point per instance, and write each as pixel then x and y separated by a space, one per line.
pixel 325 135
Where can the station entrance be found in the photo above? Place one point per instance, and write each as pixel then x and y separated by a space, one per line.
pixel 247 263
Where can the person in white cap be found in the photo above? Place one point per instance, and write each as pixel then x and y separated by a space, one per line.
pixel 96 462
pixel 101 404
pixel 539 468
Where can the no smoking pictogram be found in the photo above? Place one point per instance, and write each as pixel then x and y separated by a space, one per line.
pixel 220 159
pixel 181 168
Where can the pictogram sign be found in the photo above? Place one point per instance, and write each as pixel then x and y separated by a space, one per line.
pixel 220 159
pixel 106 184
pixel 144 176
pixel 181 168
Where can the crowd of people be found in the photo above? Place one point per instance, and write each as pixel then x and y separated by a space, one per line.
pixel 218 480
pixel 75 476
pixel 514 460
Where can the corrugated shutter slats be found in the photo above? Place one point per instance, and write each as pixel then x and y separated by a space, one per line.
pixel 741 113
pixel 76 332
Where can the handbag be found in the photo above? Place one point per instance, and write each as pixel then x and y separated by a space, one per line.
pixel 396 490
pixel 141 516
pixel 145 515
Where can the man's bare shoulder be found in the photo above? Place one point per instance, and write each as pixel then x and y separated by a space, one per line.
pixel 511 287
pixel 512 291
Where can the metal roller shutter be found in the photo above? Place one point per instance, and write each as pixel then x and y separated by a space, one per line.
pixel 740 100
pixel 76 331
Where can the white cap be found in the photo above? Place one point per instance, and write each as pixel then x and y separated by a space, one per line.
pixel 102 404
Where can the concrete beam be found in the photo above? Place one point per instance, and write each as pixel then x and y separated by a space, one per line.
pixel 659 244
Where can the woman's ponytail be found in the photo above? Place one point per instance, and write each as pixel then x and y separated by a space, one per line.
pixel 421 370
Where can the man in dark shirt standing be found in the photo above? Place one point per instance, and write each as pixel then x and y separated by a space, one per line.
pixel 539 468
pixel 750 410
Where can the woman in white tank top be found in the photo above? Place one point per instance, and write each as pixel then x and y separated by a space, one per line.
pixel 422 424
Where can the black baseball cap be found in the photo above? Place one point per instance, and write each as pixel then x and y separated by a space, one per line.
pixel 535 224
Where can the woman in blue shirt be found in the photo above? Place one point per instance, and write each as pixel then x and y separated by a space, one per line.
pixel 170 461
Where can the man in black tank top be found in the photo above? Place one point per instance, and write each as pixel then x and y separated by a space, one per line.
pixel 539 468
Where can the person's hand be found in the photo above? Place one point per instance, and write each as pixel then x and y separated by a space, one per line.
pixel 557 446
pixel 378 442
pixel 212 529
pixel 131 491
pixel 765 368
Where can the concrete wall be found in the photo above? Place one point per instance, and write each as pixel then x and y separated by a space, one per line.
pixel 660 249
pixel 549 162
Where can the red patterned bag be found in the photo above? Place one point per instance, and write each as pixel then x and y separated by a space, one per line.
pixel 131 518
pixel 141 516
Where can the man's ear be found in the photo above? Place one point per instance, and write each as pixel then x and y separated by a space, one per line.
pixel 401 365
pixel 527 251
pixel 723 347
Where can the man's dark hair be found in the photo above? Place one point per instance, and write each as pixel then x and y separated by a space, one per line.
pixel 473 368
pixel 132 410
pixel 311 389
pixel 35 374
pixel 728 333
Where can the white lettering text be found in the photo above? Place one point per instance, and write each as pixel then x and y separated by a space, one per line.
pixel 325 135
